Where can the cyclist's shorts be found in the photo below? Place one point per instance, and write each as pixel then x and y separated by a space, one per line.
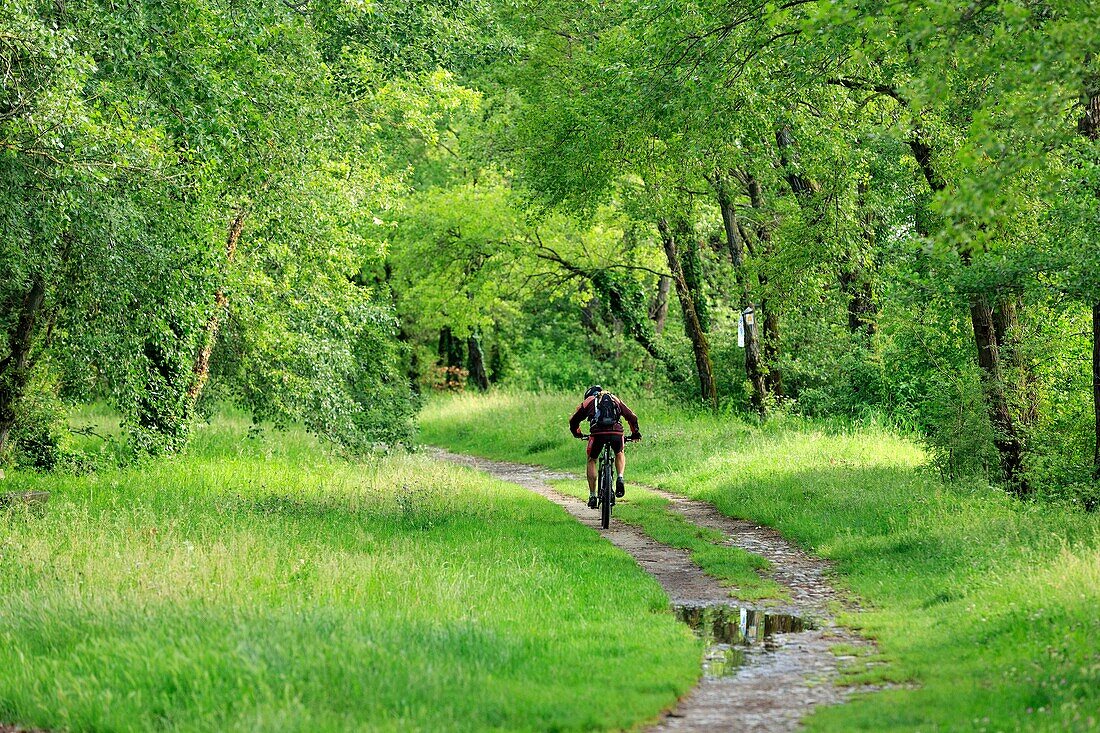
pixel 596 443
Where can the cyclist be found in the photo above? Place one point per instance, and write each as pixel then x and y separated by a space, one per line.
pixel 609 429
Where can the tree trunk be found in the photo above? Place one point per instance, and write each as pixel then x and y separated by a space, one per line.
pixel 1096 385
pixel 1089 126
pixel 658 313
pixel 1010 448
pixel 639 329
pixel 707 389
pixel 801 186
pixel 773 382
pixel 736 243
pixel 1025 382
pixel 862 309
pixel 450 349
pixel 201 368
pixel 1007 440
pixel 856 278
pixel 476 362
pixel 15 369
pixel 922 152
pixel 692 265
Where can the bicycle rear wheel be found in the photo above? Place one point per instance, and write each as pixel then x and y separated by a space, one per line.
pixel 605 491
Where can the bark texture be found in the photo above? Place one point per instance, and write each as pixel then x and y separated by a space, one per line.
pixel 15 369
pixel 857 274
pixel 922 152
pixel 658 312
pixel 694 330
pixel 862 309
pixel 1020 370
pixel 736 243
pixel 1007 439
pixel 201 369
pixel 476 362
pixel 773 380
pixel 692 264
pixel 1089 126
pixel 450 349
pixel 1096 385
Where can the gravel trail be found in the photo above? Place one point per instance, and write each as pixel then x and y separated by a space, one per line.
pixel 778 678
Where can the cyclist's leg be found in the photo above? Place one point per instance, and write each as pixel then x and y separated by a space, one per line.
pixel 590 472
pixel 620 468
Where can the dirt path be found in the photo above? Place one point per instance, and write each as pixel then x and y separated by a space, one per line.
pixel 801 573
pixel 754 680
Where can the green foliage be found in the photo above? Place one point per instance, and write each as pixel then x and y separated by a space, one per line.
pixel 857 174
pixel 39 430
pixel 125 178
pixel 958 432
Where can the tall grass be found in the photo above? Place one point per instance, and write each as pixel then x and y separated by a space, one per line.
pixel 261 584
pixel 988 605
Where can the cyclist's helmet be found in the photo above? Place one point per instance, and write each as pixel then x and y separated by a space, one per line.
pixel 595 389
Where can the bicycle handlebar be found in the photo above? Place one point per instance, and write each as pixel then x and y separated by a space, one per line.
pixel 626 438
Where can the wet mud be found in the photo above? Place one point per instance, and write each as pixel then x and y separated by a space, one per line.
pixel 767 664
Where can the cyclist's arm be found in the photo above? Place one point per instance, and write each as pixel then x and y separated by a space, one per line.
pixel 578 416
pixel 631 418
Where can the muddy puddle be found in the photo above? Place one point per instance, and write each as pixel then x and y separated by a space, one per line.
pixel 729 631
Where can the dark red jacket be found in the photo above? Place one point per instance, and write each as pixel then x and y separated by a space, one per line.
pixel 587 411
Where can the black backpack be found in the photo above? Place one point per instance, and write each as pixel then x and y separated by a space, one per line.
pixel 605 412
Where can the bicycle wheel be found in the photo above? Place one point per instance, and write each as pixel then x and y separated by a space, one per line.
pixel 605 491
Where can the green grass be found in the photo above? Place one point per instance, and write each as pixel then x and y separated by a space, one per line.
pixel 731 565
pixel 260 584
pixel 988 605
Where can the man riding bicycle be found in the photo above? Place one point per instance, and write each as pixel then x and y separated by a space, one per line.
pixel 604 411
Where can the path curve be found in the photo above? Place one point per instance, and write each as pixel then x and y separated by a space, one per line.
pixel 781 682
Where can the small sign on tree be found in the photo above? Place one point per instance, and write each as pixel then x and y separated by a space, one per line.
pixel 746 322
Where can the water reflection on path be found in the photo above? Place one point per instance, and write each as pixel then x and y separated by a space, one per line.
pixel 729 630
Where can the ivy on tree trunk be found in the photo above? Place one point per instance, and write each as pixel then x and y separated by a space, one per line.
pixel 476 362
pixel 15 369
pixel 692 327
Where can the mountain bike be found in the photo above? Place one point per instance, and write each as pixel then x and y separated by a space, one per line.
pixel 605 481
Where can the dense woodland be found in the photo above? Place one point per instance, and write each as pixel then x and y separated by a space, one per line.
pixel 322 210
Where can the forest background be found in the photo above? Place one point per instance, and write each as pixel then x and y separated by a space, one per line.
pixel 323 210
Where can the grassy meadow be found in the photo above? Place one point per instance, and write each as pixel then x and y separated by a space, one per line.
pixel 260 583
pixel 985 608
